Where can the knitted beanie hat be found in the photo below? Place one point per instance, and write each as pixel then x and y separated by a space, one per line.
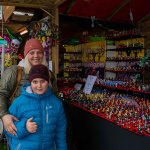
pixel 39 71
pixel 32 44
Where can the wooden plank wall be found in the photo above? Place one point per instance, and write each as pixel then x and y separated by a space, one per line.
pixel 55 49
pixel 144 28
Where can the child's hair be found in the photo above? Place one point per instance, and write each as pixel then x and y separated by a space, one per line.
pixel 39 71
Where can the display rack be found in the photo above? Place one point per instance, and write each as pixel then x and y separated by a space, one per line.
pixel 118 98
pixel 80 60
pixel 72 63
pixel 123 55
pixel 127 111
pixel 122 69
pixel 91 132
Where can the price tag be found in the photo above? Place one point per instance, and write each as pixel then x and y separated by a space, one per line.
pixel 1 12
pixel 77 86
pixel 50 65
pixel 89 84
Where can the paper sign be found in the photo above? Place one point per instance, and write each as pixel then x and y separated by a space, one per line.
pixel 89 84
pixel 1 11
pixel 77 86
pixel 50 65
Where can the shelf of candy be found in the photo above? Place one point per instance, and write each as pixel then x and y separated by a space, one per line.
pixel 123 58
pixel 126 42
pixel 72 69
pixel 129 112
pixel 126 84
pixel 83 59
pixel 130 44
pixel 75 73
pixel 73 52
pixel 72 61
pixel 129 67
pixel 65 83
pixel 122 69
pixel 123 35
pixel 72 57
pixel 125 48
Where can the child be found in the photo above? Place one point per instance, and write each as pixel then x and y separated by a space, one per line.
pixel 42 121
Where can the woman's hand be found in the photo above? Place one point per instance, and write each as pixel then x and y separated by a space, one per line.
pixel 31 126
pixel 8 121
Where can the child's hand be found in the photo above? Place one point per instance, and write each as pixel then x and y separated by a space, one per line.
pixel 31 126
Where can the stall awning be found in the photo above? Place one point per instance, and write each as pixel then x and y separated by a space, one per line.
pixel 118 11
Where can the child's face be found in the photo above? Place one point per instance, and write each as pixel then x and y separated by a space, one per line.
pixel 39 85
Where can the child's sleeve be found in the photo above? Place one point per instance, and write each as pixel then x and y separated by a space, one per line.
pixel 21 129
pixel 61 130
pixel 21 124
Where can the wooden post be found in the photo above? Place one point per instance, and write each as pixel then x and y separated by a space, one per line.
pixel 55 49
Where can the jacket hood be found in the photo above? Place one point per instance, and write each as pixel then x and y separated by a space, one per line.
pixel 25 91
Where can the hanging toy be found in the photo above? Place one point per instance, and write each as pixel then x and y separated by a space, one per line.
pixel 5 37
pixel 14 45
pixel 4 40
pixel 20 56
pixel 44 44
pixel 43 29
pixel 15 42
pixel 8 61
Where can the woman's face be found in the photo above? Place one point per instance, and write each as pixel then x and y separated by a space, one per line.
pixel 35 57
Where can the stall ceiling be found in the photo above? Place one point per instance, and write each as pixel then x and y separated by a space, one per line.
pixel 117 11
pixel 37 7
pixel 46 4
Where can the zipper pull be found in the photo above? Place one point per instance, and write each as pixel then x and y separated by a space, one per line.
pixel 46 114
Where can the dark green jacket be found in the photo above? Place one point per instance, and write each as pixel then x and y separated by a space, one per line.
pixel 8 84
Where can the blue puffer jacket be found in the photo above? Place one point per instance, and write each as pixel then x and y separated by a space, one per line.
pixel 47 111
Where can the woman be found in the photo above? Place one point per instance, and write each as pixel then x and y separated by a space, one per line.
pixel 34 55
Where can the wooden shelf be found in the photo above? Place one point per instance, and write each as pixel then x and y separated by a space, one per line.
pixel 72 61
pixel 73 53
pixel 122 71
pixel 123 59
pixel 125 37
pixel 125 48
pixel 125 89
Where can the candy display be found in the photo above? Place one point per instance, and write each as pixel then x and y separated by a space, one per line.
pixel 83 59
pixel 126 85
pixel 121 34
pixel 119 94
pixel 129 112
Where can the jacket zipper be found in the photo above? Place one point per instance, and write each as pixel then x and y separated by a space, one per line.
pixel 19 144
pixel 41 121
pixel 47 114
